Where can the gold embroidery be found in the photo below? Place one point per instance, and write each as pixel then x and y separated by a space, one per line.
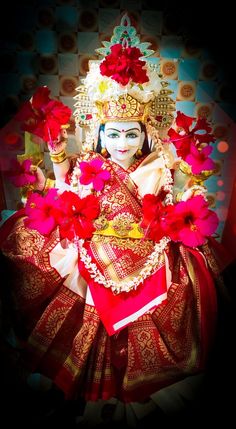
pixel 118 198
pixel 145 339
pixel 55 321
pixel 23 242
pixel 32 283
pixel 141 248
pixel 122 270
pixel 210 259
pixel 176 316
pixel 83 340
pixel 101 223
pixel 164 350
pixel 132 357
pixel 122 223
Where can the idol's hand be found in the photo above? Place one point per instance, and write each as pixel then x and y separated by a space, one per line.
pixel 193 191
pixel 40 178
pixel 58 145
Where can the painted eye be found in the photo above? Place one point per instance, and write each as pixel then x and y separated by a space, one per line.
pixel 113 135
pixel 131 136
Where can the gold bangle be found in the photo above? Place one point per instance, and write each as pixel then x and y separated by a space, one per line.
pixel 57 158
pixel 49 183
pixel 179 197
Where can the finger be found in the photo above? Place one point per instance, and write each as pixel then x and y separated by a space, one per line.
pixel 64 134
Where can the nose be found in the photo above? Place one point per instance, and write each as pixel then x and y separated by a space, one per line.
pixel 122 144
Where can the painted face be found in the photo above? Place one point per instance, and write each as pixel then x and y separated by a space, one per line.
pixel 122 140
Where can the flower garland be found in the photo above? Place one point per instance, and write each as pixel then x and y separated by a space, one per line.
pixel 153 260
pixel 149 268
pixel 168 180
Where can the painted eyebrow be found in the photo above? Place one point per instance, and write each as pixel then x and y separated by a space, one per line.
pixel 130 129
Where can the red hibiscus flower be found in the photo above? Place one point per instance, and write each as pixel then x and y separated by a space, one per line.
pixel 20 173
pixel 199 160
pixel 43 212
pixel 92 172
pixel 192 222
pixel 123 65
pixel 78 214
pixel 154 213
pixel 42 116
pixel 184 136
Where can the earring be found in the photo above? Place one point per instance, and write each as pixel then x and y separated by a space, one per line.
pixel 139 153
pixel 104 152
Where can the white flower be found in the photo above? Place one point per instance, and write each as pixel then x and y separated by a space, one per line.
pixel 102 88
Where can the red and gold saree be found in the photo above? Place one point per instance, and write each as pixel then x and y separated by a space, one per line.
pixel 150 324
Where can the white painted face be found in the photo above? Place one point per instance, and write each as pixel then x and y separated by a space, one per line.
pixel 122 140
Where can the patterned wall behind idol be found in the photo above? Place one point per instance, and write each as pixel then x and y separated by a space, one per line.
pixel 52 44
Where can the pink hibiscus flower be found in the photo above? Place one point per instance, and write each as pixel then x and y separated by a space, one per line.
pixel 92 172
pixel 78 214
pixel 194 221
pixel 199 160
pixel 42 116
pixel 43 212
pixel 20 173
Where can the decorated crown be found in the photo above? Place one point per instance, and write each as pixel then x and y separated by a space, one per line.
pixel 125 85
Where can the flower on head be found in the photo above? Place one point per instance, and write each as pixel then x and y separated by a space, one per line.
pixel 20 174
pixel 43 212
pixel 78 214
pixel 123 65
pixel 92 172
pixel 102 88
pixel 44 117
pixel 192 222
pixel 199 160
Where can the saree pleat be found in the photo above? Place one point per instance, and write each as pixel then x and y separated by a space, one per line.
pixel 33 281
pixel 52 338
pixel 74 366
pixel 70 344
pixel 100 376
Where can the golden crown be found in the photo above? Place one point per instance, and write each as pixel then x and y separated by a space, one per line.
pixel 124 108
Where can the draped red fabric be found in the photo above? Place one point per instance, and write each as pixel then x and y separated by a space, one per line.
pixel 79 345
pixel 229 232
pixel 113 309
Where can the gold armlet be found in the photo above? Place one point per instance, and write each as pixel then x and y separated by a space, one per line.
pixel 49 183
pixel 57 158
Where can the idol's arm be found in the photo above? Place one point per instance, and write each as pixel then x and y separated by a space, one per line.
pixel 185 186
pixel 59 158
